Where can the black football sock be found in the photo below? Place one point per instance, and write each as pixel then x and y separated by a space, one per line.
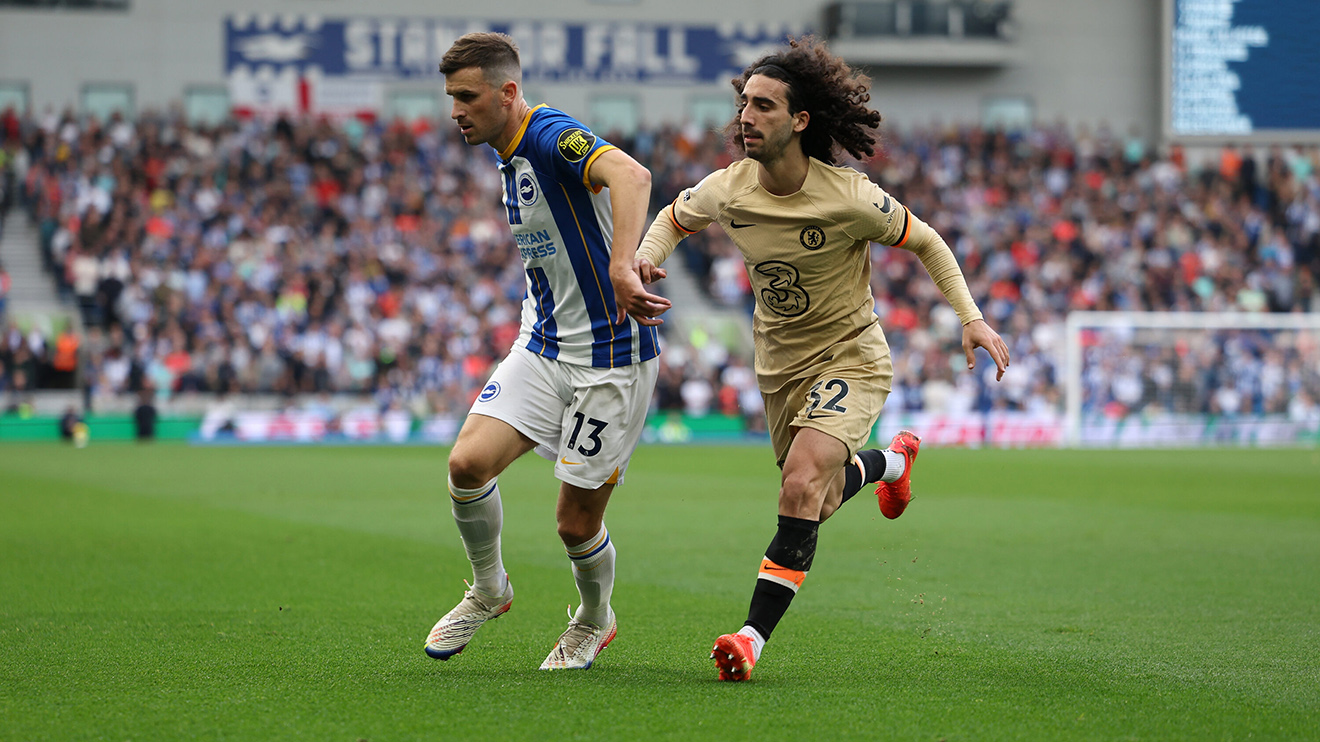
pixel 783 569
pixel 854 478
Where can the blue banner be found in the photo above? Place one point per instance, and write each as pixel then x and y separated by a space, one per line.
pixel 1242 67
pixel 552 51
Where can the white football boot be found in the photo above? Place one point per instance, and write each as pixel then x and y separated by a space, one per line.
pixel 453 632
pixel 578 647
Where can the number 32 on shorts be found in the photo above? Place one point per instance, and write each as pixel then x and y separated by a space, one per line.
pixel 836 389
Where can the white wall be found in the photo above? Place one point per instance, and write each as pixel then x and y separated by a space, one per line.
pixel 1081 61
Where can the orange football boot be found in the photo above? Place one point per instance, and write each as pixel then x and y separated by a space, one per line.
pixel 735 656
pixel 894 496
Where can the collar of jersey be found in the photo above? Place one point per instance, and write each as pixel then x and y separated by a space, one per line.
pixel 517 138
pixel 812 166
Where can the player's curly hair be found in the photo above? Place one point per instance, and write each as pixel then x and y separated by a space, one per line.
pixel 824 86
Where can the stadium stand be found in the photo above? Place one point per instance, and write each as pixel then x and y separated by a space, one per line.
pixel 306 257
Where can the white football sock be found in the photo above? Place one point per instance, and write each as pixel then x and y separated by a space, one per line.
pixel 895 465
pixel 480 517
pixel 593 571
pixel 758 641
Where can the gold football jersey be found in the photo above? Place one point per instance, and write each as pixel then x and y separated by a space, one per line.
pixel 809 261
pixel 807 257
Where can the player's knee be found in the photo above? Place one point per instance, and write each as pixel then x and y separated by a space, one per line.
pixel 577 529
pixel 799 495
pixel 468 470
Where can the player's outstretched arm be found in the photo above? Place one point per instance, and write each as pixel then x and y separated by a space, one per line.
pixel 658 244
pixel 977 334
pixel 630 192
pixel 942 266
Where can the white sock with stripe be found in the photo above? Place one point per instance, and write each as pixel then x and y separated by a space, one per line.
pixel 593 571
pixel 480 517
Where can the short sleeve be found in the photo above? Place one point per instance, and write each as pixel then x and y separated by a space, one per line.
pixel 698 206
pixel 875 216
pixel 570 147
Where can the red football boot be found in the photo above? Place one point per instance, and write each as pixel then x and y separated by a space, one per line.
pixel 735 656
pixel 894 496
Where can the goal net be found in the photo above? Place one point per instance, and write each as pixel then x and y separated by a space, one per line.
pixel 1149 379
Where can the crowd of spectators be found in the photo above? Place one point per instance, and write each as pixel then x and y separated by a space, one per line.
pixel 1049 221
pixel 306 257
pixel 284 258
pixel 1222 372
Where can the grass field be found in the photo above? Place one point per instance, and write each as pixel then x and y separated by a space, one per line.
pixel 169 592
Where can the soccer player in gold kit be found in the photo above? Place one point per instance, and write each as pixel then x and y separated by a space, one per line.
pixel 804 227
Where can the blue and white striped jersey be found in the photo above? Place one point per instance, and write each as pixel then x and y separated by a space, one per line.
pixel 563 227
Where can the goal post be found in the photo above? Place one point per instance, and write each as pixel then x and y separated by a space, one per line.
pixel 1191 378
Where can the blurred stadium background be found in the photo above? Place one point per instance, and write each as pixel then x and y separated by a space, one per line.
pixel 256 221
pixel 231 221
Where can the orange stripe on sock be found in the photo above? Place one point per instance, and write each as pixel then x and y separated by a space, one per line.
pixel 770 569
pixel 470 498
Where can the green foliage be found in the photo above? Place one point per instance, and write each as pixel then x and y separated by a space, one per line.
pixel 167 592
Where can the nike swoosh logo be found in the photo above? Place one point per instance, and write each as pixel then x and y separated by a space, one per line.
pixel 883 209
pixel 783 573
pixel 736 225
pixel 564 460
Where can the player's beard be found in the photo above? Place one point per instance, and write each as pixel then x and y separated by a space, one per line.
pixel 772 146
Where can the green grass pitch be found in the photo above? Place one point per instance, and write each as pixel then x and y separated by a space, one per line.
pixel 168 592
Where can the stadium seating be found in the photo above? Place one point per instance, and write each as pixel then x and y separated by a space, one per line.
pixel 306 257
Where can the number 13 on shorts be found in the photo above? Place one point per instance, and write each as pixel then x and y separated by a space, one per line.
pixel 593 443
pixel 585 419
pixel 599 433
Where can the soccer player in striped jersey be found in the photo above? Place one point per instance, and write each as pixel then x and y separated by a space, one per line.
pixel 576 385
pixel 805 228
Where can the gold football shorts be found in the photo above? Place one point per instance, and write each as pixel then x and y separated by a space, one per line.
pixel 840 398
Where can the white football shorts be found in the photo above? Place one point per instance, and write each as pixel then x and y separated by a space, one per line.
pixel 587 420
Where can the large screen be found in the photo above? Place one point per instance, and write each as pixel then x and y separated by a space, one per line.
pixel 1243 69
